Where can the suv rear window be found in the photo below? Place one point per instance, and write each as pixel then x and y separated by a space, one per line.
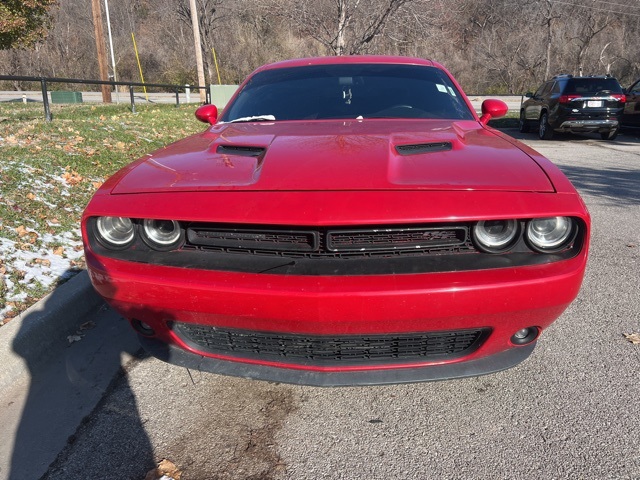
pixel 592 85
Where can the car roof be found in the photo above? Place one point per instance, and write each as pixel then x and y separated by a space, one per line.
pixel 350 59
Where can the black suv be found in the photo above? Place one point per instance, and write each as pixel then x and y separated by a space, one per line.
pixel 574 104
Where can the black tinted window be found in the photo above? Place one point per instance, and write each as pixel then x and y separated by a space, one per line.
pixel 350 91
pixel 547 88
pixel 593 85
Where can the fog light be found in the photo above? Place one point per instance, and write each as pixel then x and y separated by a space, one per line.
pixel 143 328
pixel 525 335
pixel 520 334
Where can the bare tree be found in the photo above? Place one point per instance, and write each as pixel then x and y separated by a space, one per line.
pixel 494 46
pixel 344 27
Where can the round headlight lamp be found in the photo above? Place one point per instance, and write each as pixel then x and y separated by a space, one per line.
pixel 162 234
pixel 115 232
pixel 550 234
pixel 495 236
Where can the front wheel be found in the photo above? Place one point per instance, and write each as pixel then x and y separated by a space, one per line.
pixel 610 135
pixel 545 132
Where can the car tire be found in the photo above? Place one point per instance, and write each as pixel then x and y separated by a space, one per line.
pixel 610 135
pixel 522 124
pixel 545 132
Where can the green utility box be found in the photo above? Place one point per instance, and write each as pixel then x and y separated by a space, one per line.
pixel 221 94
pixel 66 97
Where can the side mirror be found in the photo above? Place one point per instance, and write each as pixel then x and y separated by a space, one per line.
pixel 493 108
pixel 528 94
pixel 207 114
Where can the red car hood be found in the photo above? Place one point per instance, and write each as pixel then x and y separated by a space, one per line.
pixel 338 155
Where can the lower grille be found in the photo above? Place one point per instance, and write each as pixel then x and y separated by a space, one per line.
pixel 332 350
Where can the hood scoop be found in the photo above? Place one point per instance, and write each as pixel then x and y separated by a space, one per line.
pixel 240 150
pixel 419 148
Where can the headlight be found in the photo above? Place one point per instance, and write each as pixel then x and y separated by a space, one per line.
pixel 550 234
pixel 495 236
pixel 115 232
pixel 162 234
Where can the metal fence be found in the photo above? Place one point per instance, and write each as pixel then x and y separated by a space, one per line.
pixel 45 81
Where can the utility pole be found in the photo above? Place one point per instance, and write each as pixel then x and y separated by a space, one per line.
pixel 113 58
pixel 196 38
pixel 101 50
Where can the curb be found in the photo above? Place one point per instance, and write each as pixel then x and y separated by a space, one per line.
pixel 40 331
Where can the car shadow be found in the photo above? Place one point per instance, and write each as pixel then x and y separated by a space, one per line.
pixel 619 185
pixel 65 384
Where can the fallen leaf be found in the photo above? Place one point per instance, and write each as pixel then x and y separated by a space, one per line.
pixel 633 338
pixel 31 196
pixel 42 261
pixel 21 231
pixel 58 251
pixel 72 178
pixel 165 469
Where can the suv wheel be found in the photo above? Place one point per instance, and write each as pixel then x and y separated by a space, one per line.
pixel 524 126
pixel 610 135
pixel 545 132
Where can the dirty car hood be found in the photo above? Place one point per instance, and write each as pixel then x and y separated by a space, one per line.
pixel 351 155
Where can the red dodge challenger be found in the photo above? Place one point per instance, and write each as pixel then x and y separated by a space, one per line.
pixel 343 221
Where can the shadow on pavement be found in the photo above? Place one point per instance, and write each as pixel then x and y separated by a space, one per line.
pixel 615 183
pixel 66 383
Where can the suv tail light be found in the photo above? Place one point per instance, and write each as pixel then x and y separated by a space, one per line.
pixel 621 97
pixel 568 98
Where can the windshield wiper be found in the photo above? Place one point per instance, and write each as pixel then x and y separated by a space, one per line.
pixel 257 118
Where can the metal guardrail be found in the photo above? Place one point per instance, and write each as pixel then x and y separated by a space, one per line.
pixel 44 81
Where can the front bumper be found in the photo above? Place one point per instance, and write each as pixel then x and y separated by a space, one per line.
pixel 501 300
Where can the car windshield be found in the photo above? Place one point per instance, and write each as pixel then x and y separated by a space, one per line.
pixel 350 92
pixel 593 85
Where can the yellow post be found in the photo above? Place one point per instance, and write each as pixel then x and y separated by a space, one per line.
pixel 135 48
pixel 215 60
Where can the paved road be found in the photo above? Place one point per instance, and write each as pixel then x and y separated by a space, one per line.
pixel 570 411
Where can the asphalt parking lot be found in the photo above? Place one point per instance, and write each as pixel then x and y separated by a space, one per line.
pixel 570 411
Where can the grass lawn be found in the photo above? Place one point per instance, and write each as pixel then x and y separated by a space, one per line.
pixel 48 173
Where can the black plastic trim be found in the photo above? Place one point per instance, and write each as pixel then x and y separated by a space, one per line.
pixel 240 150
pixel 471 368
pixel 410 261
pixel 420 148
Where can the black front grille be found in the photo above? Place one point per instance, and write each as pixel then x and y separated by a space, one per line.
pixel 253 239
pixel 331 242
pixel 332 350
pixel 394 239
